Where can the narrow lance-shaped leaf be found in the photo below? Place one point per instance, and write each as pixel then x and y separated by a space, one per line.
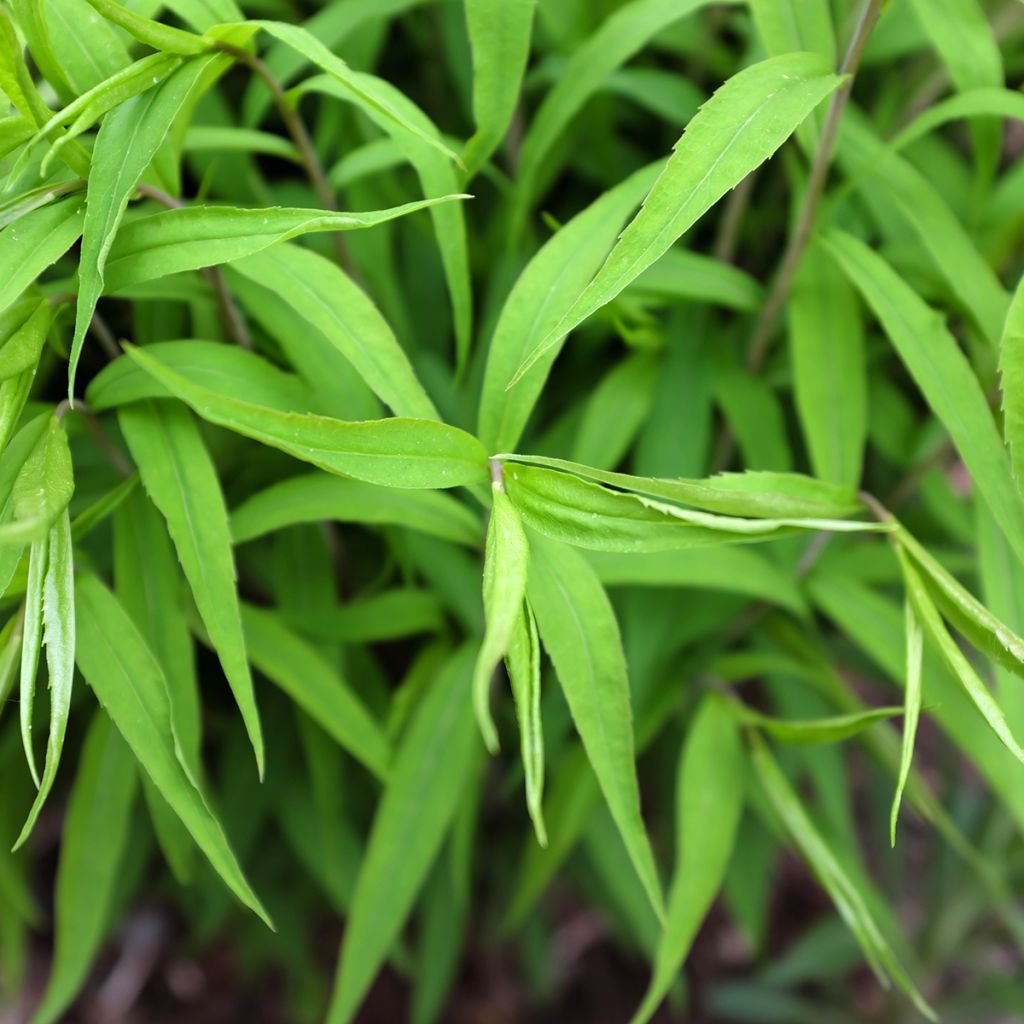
pixel 329 301
pixel 30 644
pixel 740 127
pixel 942 372
pixel 1011 374
pixel 506 562
pixel 845 895
pixel 412 818
pixel 499 35
pixel 814 730
pixel 22 349
pixel 180 477
pixel 313 497
pixel 958 664
pixel 299 670
pixel 58 619
pixel 522 661
pixel 42 488
pixel 127 141
pixel 580 632
pixel 618 38
pixel 192 237
pixel 117 664
pixel 87 874
pixel 587 515
pixel 830 384
pixel 912 708
pixel 710 789
pixel 393 452
pixel 152 33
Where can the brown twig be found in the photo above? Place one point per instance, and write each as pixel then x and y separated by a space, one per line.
pixel 296 128
pixel 230 316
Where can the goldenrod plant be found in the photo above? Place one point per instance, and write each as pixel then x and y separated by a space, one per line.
pixel 473 465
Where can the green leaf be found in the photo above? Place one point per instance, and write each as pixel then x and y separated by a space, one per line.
pixel 506 561
pixel 437 178
pixel 943 374
pixel 741 126
pixel 580 633
pixel 785 27
pixel 681 275
pixel 193 237
pixel 42 488
pixel 522 662
pixel 127 141
pixel 311 682
pixel 331 303
pixel 58 621
pixel 830 384
pixel 1001 103
pixel 619 37
pixel 912 708
pixel 180 478
pixel 1011 379
pixel 964 611
pixel 21 351
pixel 149 584
pixel 545 290
pixel 844 894
pixel 963 671
pixel 394 452
pixel 117 664
pixel 710 790
pixel 212 365
pixel 814 730
pixel 759 495
pixel 499 35
pixel 412 818
pixel 34 242
pixel 587 515
pixel 731 569
pixel 356 85
pixel 946 241
pixel 152 33
pixel 88 871
pixel 30 644
pixel 313 497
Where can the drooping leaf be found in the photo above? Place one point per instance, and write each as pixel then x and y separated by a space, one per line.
pixel 499 34
pixel 579 631
pixel 943 374
pixel 710 790
pixel 912 710
pixel 740 127
pixel 522 661
pixel 127 141
pixel 180 478
pixel 394 452
pixel 312 497
pixel 830 383
pixel 192 237
pixel 410 824
pixel 42 488
pixel 545 290
pixel 327 300
pixel 814 730
pixel 830 872
pixel 87 874
pixel 309 680
pixel 506 564
pixel 128 682
pixel 935 629
pixel 58 634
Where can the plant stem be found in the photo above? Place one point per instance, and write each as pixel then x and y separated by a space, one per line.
pixel 761 337
pixel 296 128
pixel 230 316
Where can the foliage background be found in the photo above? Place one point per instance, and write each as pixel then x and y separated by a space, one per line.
pixel 846 309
